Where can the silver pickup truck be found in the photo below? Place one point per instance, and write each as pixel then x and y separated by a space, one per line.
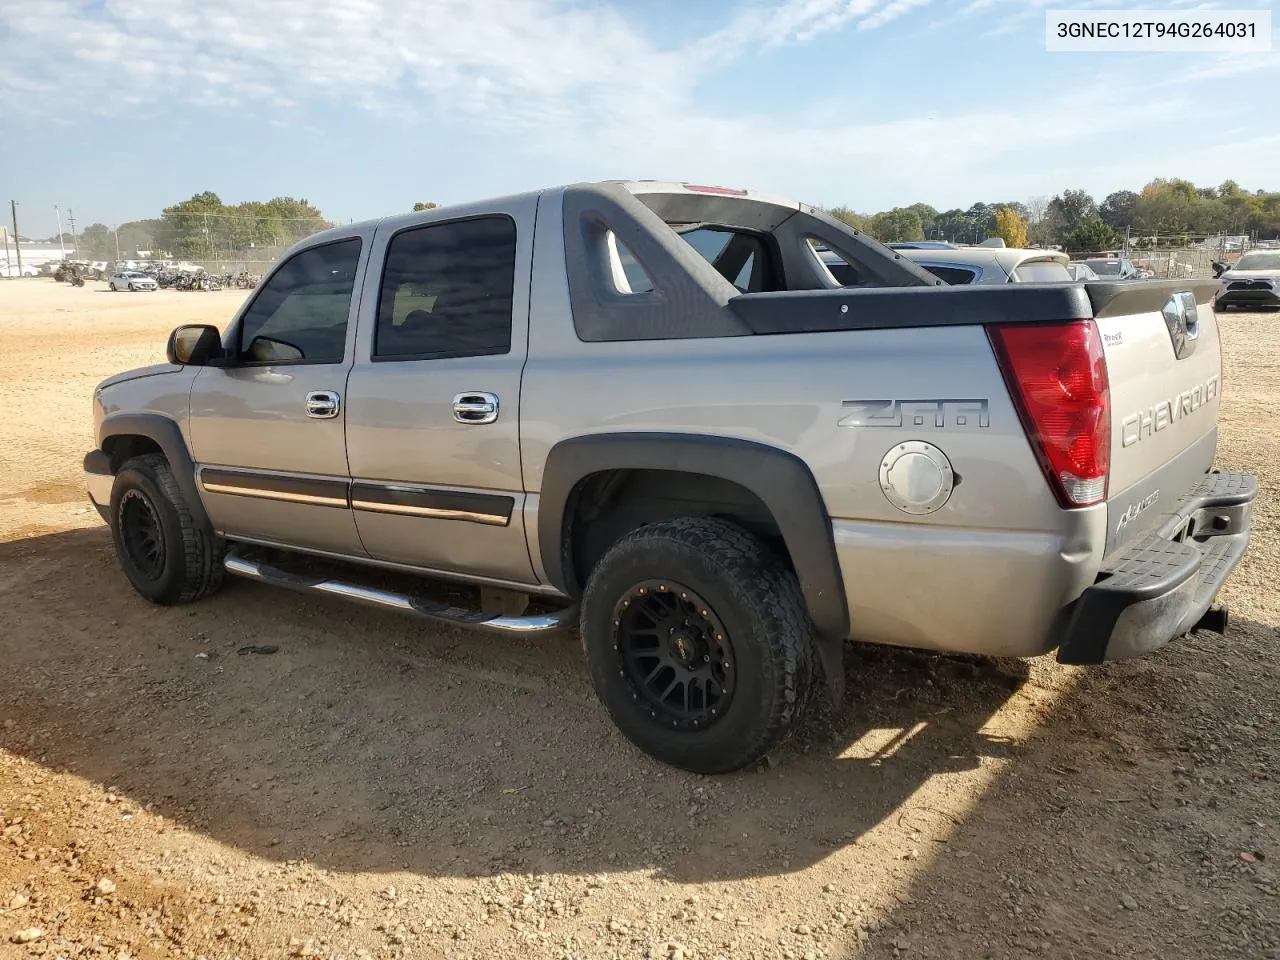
pixel 649 410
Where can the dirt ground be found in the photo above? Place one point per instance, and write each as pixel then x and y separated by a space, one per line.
pixel 380 789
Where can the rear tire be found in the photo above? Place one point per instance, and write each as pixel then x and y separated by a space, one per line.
pixel 167 556
pixel 705 608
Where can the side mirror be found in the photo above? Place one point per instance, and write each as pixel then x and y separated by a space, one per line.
pixel 195 344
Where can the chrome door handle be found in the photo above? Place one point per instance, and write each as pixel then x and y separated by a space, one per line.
pixel 475 408
pixel 323 404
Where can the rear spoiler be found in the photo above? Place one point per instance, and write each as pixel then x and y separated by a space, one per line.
pixel 889 308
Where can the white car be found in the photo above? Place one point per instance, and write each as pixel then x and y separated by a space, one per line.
pixel 131 280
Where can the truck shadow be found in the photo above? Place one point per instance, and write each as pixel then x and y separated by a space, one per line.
pixel 372 742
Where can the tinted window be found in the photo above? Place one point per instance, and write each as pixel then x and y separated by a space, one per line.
pixel 709 243
pixel 738 256
pixel 844 274
pixel 446 291
pixel 1042 271
pixel 301 312
pixel 952 275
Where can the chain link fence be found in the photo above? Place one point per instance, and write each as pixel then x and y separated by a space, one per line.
pixel 217 242
pixel 1180 257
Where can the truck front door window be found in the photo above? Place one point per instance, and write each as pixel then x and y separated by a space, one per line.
pixel 300 315
pixel 446 291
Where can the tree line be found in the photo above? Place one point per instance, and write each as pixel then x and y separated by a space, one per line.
pixel 205 228
pixel 1177 211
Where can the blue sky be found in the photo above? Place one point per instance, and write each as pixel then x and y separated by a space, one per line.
pixel 118 107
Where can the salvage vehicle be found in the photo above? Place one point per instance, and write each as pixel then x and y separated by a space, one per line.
pixel 1253 282
pixel 649 409
pixel 1112 268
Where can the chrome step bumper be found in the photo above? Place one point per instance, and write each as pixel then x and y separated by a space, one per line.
pixel 489 623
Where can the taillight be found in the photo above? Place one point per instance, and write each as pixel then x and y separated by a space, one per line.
pixel 1057 376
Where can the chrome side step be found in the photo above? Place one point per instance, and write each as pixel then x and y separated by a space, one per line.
pixel 429 609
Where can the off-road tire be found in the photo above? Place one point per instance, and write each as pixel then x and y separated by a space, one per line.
pixel 753 594
pixel 191 564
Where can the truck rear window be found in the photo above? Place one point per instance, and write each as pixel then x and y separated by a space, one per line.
pixel 1042 271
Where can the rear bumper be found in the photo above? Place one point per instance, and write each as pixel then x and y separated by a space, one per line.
pixel 98 479
pixel 1160 588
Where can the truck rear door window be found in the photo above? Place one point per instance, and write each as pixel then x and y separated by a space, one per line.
pixel 447 290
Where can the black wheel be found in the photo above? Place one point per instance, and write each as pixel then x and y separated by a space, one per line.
pixel 1220 307
pixel 166 555
pixel 698 643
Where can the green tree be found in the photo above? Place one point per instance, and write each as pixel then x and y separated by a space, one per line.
pixel 96 243
pixel 1119 209
pixel 897 225
pixel 1068 211
pixel 430 205
pixel 206 228
pixel 950 225
pixel 851 217
pixel 1010 227
pixel 980 222
pixel 1168 207
pixel 1093 235
pixel 928 218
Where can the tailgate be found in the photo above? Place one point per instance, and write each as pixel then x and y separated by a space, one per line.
pixel 1164 365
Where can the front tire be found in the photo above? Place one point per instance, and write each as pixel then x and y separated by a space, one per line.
pixel 698 643
pixel 167 556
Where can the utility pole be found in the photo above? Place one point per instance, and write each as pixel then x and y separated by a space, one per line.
pixel 58 213
pixel 115 231
pixel 71 222
pixel 17 244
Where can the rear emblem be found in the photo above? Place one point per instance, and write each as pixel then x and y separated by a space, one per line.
pixel 1181 318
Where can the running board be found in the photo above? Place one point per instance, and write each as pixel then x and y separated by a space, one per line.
pixel 439 612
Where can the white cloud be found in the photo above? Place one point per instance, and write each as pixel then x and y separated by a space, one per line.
pixel 578 82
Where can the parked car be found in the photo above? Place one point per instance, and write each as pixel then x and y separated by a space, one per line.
pixel 972 265
pixel 1112 268
pixel 1253 282
pixel 565 398
pixel 1081 271
pixel 132 280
